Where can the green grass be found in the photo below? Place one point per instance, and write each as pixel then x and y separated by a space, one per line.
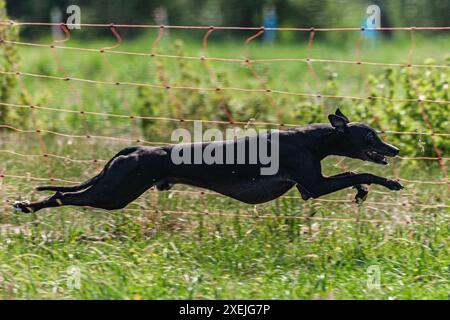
pixel 152 254
pixel 154 251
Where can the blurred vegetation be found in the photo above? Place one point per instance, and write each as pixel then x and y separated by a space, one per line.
pixel 8 59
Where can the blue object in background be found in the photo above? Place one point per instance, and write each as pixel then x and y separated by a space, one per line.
pixel 270 21
pixel 369 34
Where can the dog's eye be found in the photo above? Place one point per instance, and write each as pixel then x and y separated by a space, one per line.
pixel 370 137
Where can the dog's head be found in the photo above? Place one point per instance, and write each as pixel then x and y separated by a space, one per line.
pixel 361 141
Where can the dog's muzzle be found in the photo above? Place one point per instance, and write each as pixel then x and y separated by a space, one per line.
pixel 376 157
pixel 379 157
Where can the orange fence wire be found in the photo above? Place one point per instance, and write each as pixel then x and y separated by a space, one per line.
pixel 210 89
pixel 220 122
pixel 150 26
pixel 307 60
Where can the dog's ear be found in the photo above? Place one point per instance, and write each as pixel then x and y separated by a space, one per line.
pixel 339 123
pixel 340 114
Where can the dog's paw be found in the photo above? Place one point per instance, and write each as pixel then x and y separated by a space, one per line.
pixel 362 193
pixel 393 185
pixel 22 206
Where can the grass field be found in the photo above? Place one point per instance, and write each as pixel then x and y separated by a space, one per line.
pixel 186 244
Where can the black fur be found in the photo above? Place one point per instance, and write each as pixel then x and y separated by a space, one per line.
pixel 135 169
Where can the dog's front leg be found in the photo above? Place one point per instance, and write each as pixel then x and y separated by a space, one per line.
pixel 361 190
pixel 326 185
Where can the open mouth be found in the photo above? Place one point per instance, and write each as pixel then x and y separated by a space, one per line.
pixel 376 157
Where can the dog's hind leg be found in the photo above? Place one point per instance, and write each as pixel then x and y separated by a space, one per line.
pixel 27 206
pixel 56 200
pixel 124 180
pixel 91 181
pixel 104 196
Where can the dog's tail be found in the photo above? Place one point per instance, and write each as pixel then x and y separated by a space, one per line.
pixel 77 187
pixel 91 181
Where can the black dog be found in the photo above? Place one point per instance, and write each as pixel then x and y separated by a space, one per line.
pixel 135 169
